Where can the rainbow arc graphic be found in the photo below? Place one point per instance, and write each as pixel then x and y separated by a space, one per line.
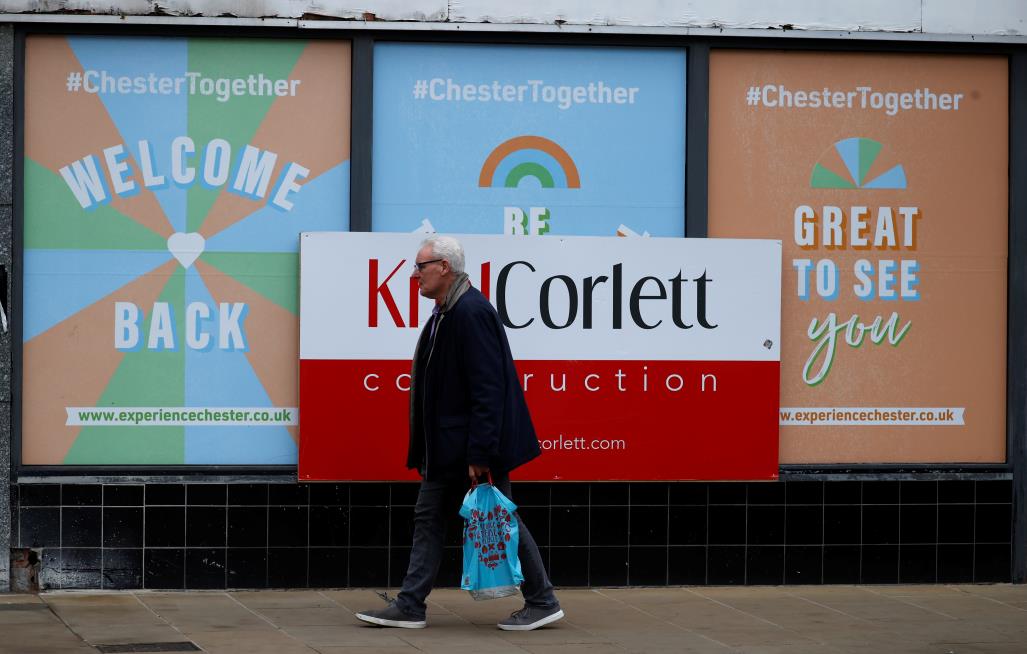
pixel 860 167
pixel 529 157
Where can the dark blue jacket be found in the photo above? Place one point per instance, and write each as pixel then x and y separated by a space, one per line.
pixel 467 405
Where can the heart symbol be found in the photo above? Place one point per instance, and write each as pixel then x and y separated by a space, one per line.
pixel 186 247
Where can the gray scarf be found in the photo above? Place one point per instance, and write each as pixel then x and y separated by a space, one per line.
pixel 460 285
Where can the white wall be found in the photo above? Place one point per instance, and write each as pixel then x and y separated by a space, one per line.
pixel 936 17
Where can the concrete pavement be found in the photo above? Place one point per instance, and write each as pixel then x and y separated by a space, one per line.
pixel 715 620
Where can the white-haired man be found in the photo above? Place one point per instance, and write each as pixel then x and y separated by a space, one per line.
pixel 468 417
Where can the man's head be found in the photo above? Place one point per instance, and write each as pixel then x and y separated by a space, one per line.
pixel 439 260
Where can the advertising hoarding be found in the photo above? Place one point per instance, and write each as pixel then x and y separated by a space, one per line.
pixel 645 358
pixel 886 177
pixel 166 181
pixel 510 139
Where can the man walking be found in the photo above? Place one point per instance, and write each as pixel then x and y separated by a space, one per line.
pixel 468 417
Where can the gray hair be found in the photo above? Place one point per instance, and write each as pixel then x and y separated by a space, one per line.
pixel 448 248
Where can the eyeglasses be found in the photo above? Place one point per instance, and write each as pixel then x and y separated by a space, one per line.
pixel 419 265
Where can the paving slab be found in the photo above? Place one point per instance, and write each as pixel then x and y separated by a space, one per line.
pixel 81 606
pixel 464 648
pixel 50 648
pixel 282 599
pixel 1012 596
pixel 357 599
pixel 873 607
pixel 199 611
pixel 487 612
pixel 574 649
pixel 316 616
pixel 19 598
pixel 25 614
pixel 981 648
pixel 318 637
pixel 406 649
pixel 50 638
pixel 944 619
pixel 249 642
pixel 565 632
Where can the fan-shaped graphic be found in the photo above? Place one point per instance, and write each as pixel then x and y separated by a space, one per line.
pixel 175 245
pixel 529 156
pixel 859 157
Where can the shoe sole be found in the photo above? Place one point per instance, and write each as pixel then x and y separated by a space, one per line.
pixel 382 622
pixel 534 625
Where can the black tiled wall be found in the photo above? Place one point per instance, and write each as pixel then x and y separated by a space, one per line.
pixel 175 536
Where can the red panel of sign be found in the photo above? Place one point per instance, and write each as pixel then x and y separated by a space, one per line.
pixel 608 434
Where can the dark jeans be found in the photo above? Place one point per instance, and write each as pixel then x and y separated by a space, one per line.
pixel 437 503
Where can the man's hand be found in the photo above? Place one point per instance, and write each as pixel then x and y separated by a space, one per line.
pixel 474 472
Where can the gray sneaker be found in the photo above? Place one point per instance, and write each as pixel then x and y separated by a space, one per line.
pixel 530 617
pixel 392 616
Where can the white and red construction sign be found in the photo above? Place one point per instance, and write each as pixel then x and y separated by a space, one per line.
pixel 640 358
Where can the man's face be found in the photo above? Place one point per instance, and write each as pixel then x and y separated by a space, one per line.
pixel 433 275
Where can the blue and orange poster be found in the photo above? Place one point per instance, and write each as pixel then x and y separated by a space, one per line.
pixel 166 181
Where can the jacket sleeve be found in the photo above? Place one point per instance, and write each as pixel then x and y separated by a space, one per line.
pixel 481 351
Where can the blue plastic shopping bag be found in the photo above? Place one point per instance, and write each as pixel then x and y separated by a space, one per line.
pixel 491 567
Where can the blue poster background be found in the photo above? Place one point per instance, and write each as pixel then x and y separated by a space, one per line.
pixel 429 153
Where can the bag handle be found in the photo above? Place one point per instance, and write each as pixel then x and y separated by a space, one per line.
pixel 474 481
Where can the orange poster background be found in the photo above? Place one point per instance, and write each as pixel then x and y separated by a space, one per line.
pixel 956 166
